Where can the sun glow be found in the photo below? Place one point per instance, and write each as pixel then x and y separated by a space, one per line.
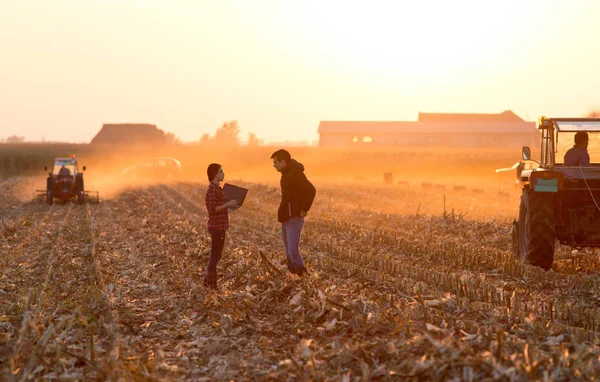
pixel 189 66
pixel 419 40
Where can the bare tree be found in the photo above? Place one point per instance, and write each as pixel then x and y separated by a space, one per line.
pixel 15 139
pixel 205 139
pixel 253 140
pixel 228 134
pixel 172 139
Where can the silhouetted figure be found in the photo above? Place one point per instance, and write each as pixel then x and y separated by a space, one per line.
pixel 218 221
pixel 64 172
pixel 578 155
pixel 297 195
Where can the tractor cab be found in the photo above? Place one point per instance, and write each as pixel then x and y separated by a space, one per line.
pixel 558 137
pixel 62 164
pixel 560 198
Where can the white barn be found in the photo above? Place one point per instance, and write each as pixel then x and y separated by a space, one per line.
pixel 432 129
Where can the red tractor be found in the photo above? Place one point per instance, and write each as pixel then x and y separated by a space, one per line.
pixel 65 182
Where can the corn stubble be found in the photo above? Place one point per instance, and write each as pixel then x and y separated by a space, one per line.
pixel 113 291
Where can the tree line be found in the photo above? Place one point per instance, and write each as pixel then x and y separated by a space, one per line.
pixel 13 139
pixel 228 135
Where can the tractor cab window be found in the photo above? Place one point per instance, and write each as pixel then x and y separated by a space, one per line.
pixel 70 165
pixel 566 140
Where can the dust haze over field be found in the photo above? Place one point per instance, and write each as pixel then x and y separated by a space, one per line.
pixel 419 176
pixel 412 278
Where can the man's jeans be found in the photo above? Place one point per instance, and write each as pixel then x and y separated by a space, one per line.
pixel 291 231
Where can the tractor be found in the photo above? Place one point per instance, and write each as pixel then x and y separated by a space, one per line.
pixel 558 202
pixel 65 182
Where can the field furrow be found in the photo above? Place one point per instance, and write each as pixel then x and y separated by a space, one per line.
pixel 29 294
pixel 73 332
pixel 114 291
pixel 10 203
pixel 151 282
pixel 360 277
pixel 18 264
pixel 476 267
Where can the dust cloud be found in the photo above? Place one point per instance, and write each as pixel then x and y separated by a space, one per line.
pixel 398 180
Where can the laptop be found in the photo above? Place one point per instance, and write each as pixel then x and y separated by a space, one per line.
pixel 235 192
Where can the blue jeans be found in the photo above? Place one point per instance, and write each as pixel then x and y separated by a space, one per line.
pixel 290 231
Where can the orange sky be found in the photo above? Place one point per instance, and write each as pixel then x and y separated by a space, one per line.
pixel 281 66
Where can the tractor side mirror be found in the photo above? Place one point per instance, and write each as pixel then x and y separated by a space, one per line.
pixel 83 168
pixel 45 168
pixel 526 153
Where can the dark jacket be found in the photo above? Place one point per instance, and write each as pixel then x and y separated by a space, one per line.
pixel 577 156
pixel 297 193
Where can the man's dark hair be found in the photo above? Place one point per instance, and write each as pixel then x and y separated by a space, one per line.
pixel 282 154
pixel 581 137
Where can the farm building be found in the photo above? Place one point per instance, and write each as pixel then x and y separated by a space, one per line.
pixel 432 129
pixel 129 133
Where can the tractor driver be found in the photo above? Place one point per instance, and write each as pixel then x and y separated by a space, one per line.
pixel 578 155
pixel 64 171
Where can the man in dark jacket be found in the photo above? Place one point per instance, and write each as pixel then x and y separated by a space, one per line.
pixel 578 155
pixel 297 195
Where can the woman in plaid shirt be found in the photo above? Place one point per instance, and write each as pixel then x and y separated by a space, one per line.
pixel 218 221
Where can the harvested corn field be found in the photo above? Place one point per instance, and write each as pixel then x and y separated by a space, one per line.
pixel 404 283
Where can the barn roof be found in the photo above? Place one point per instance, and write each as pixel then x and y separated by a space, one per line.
pixel 420 128
pixel 504 117
pixel 506 122
pixel 127 133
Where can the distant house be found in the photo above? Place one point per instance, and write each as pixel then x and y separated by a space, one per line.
pixel 432 129
pixel 129 133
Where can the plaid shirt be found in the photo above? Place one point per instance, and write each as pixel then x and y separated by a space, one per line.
pixel 217 221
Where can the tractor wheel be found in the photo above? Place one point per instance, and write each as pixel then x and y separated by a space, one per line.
pixel 79 188
pixel 49 198
pixel 79 183
pixel 535 233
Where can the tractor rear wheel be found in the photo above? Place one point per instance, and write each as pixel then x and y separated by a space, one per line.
pixel 79 188
pixel 536 228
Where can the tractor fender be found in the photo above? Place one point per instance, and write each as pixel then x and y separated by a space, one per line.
pixel 50 185
pixel 79 183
